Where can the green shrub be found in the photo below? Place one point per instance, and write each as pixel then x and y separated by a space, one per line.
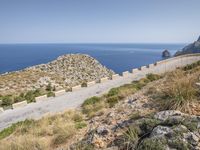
pixel 48 87
pixel 153 77
pixel 7 100
pixel 131 137
pixel 179 144
pixel 191 66
pixel 91 101
pixel 80 125
pixel 24 125
pixel 84 84
pixel 153 144
pixel 135 115
pixel 113 92
pixel 50 94
pixel 113 100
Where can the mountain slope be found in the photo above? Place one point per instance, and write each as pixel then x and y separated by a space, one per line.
pixel 191 48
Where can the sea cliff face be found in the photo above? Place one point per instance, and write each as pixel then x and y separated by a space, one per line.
pixel 191 48
pixel 64 72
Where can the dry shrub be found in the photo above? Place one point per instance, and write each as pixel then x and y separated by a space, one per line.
pixel 48 132
pixel 62 132
pixel 179 91
pixel 24 142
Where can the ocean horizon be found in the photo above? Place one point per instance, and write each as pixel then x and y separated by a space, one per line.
pixel 118 57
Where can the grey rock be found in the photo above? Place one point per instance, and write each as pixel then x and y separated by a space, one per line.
pixel 102 130
pixel 164 115
pixel 160 131
pixel 191 138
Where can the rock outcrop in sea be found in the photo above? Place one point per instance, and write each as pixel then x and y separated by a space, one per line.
pixel 189 49
pixel 166 54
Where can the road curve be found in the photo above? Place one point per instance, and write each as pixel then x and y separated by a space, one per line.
pixel 76 98
pixel 58 104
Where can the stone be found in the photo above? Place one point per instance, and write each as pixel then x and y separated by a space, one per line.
pixel 164 115
pixel 191 138
pixel 19 104
pixel 1 109
pixel 41 98
pixel 160 131
pixel 102 130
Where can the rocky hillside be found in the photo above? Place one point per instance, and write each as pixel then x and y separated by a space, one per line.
pixel 64 72
pixel 158 112
pixel 191 48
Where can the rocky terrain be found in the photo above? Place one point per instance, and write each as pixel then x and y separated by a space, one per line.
pixel 189 49
pixel 64 72
pixel 158 112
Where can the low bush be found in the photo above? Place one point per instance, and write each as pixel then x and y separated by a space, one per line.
pixel 191 66
pixel 112 100
pixel 131 137
pixel 22 124
pixel 50 94
pixel 179 91
pixel 153 77
pixel 91 101
pixel 153 144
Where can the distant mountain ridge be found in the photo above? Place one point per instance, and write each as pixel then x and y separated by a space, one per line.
pixel 191 48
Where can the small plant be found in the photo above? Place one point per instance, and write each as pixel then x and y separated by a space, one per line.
pixel 153 144
pixel 112 100
pixel 62 132
pixel 135 115
pixel 153 77
pixel 91 101
pixel 113 92
pixel 48 87
pixel 131 137
pixel 50 94
pixel 84 84
pixel 80 125
pixel 179 91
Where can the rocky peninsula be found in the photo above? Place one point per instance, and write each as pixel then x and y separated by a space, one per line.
pixel 64 72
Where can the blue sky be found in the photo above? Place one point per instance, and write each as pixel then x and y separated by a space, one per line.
pixel 99 21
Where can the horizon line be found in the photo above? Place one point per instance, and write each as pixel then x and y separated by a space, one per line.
pixel 94 43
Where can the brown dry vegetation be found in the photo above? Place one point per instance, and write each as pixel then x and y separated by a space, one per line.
pixel 177 90
pixel 46 133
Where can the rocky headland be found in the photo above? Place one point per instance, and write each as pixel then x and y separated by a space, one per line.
pixel 64 72
pixel 189 49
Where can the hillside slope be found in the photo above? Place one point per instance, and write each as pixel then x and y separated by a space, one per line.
pixel 154 113
pixel 191 48
pixel 64 72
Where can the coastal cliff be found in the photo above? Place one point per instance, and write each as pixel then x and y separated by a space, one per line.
pixel 64 72
pixel 191 48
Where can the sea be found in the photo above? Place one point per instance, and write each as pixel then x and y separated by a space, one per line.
pixel 118 57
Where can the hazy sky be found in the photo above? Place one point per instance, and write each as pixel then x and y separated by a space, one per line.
pixel 80 21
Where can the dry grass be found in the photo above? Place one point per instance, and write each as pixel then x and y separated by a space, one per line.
pixel 177 91
pixel 45 133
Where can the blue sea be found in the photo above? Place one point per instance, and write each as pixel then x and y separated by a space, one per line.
pixel 118 57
